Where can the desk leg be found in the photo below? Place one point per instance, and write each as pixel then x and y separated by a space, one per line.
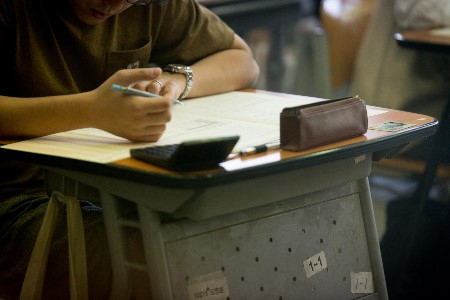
pixel 120 288
pixel 372 238
pixel 154 253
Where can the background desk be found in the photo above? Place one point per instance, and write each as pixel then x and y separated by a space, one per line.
pixel 428 40
pixel 416 221
pixel 279 225
pixel 424 39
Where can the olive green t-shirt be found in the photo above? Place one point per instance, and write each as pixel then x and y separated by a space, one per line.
pixel 45 50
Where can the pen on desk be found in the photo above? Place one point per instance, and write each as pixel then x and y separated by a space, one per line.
pixel 136 92
pixel 258 149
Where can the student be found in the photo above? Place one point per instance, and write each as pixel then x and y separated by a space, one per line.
pixel 389 76
pixel 59 60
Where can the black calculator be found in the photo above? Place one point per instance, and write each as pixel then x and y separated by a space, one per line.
pixel 188 155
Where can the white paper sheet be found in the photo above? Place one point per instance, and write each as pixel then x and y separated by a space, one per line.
pixel 252 116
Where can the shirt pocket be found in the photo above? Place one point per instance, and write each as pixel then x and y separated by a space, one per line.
pixel 128 59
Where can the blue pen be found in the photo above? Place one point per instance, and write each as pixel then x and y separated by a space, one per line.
pixel 136 92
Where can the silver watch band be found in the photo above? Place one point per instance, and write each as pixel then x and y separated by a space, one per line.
pixel 188 73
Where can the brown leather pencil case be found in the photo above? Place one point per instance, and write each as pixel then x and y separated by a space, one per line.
pixel 307 126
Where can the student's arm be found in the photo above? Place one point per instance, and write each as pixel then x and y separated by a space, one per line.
pixel 415 14
pixel 132 117
pixel 228 70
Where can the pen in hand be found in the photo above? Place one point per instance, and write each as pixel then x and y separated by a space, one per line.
pixel 260 148
pixel 136 92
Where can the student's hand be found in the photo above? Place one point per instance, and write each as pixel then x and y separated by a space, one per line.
pixel 168 85
pixel 133 117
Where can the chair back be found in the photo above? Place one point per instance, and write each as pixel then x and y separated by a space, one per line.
pixel 344 23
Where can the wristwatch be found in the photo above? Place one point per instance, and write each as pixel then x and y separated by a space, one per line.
pixel 187 71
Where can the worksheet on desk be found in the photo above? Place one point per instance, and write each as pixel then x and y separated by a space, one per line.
pixel 252 116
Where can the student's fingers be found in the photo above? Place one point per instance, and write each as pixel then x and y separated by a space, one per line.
pixel 142 85
pixel 144 121
pixel 161 118
pixel 155 86
pixel 149 127
pixel 166 85
pixel 133 77
pixel 146 136
pixel 150 132
pixel 148 106
pixel 171 90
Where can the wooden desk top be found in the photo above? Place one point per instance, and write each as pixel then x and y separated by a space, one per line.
pixel 261 164
pixel 424 39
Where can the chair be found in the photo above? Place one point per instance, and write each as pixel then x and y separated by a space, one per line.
pixel 344 23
